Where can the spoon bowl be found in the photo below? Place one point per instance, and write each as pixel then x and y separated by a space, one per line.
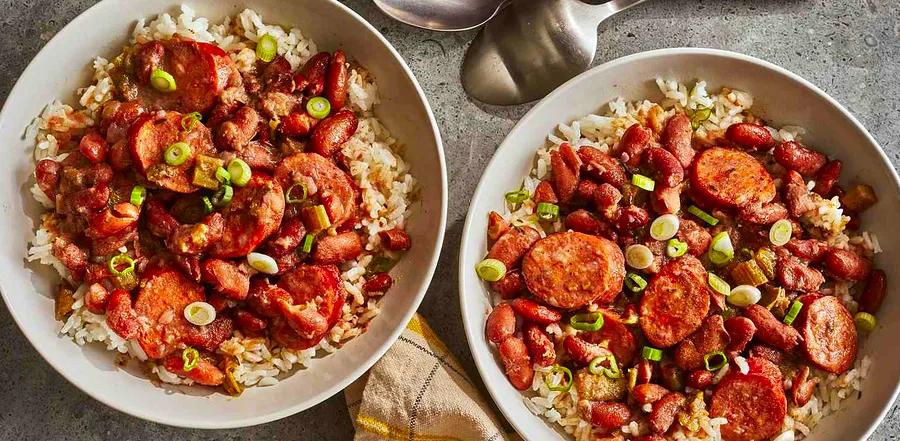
pixel 441 15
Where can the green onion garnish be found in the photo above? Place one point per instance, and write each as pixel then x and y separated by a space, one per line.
pixel 266 48
pixel 239 171
pixel 517 197
pixel 652 354
pixel 589 321
pixel 162 81
pixel 721 251
pixel 547 211
pixel 664 227
pixel 138 194
pixel 676 248
pixel 295 194
pixel 634 282
pixel 793 312
pixel 704 216
pixel 568 381
pixel 865 322
pixel 207 205
pixel 490 270
pixel 380 264
pixel 715 361
pixel 780 232
pixel 718 284
pixel 223 197
pixel 318 107
pixel 612 371
pixel 262 263
pixel 308 240
pixel 116 262
pixel 190 357
pixel 700 115
pixel 177 154
pixel 643 182
pixel 223 176
pixel 190 120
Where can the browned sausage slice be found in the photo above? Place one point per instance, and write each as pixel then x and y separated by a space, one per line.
pixel 160 303
pixel 324 181
pixel 152 134
pixel 569 270
pixel 201 72
pixel 731 178
pixel 254 213
pixel 675 302
pixel 513 245
pixel 829 334
pixel 753 405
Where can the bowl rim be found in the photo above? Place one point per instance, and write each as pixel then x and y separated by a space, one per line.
pixel 431 265
pixel 473 332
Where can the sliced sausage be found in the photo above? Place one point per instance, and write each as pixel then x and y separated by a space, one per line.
pixel 829 334
pixel 676 138
pixel 338 248
pixel 569 270
pixel 209 337
pixel 325 183
pixel 160 303
pixel 675 302
pixel 201 72
pixel 288 237
pixel 320 284
pixel 696 237
pixel 149 138
pixel 731 178
pixel 253 215
pixel 754 407
pixel 226 278
pixel 711 337
pixel 497 226
pixel 771 330
pixel 616 337
pixel 513 245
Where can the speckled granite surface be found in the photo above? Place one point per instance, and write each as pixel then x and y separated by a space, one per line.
pixel 849 48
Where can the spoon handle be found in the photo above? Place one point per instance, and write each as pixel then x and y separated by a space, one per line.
pixel 593 15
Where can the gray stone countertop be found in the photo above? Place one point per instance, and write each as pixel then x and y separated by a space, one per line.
pixel 849 48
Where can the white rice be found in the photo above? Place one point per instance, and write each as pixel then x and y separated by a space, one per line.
pixel 602 131
pixel 376 166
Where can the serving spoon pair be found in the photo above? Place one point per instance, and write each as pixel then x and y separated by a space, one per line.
pixel 528 47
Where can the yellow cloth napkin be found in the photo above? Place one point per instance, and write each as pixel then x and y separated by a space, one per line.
pixel 419 392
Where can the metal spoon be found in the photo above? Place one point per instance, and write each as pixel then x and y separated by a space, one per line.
pixel 533 46
pixel 441 15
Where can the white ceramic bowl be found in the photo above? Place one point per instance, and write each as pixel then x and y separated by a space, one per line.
pixel 64 65
pixel 780 97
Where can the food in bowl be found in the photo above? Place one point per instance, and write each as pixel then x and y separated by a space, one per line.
pixel 683 270
pixel 222 204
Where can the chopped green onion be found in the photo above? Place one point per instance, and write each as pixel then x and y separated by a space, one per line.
pixel 517 197
pixel 262 263
pixel 308 240
pixel 744 295
pixel 700 115
pixel 190 120
pixel 223 176
pixel 380 264
pixel 239 171
pixel 138 194
pixel 634 282
pixel 793 312
pixel 315 217
pixel 643 182
pixel 638 256
pixel 223 197
pixel 676 248
pixel 162 81
pixel 490 270
pixel 547 211
pixel 613 371
pixel 664 227
pixel 295 194
pixel 652 354
pixel 865 322
pixel 780 232
pixel 200 313
pixel 715 361
pixel 189 357
pixel 318 107
pixel 116 262
pixel 702 215
pixel 177 154
pixel 207 205
pixel 568 379
pixel 589 321
pixel 718 284
pixel 266 48
pixel 721 251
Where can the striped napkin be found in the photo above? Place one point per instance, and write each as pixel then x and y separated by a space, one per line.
pixel 419 392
